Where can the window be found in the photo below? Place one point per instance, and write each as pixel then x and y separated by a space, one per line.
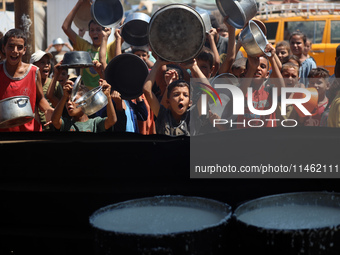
pixel 312 29
pixel 271 30
pixel 335 31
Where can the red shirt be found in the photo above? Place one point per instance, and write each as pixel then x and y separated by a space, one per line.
pixel 315 119
pixel 262 100
pixel 22 86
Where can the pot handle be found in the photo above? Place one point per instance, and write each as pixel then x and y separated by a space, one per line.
pixel 83 103
pixel 157 251
pixel 21 104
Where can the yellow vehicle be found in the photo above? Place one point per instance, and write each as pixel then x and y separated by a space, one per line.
pixel 319 21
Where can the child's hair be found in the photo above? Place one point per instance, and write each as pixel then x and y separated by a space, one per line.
pixel 289 65
pixel 240 62
pixel 319 72
pixel 284 44
pixel 288 58
pixel 247 62
pixel 82 90
pixel 177 69
pixel 17 33
pixel 206 54
pixel 298 33
pixel 94 22
pixel 178 83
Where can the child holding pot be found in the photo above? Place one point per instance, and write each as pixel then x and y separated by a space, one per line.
pixel 22 79
pixel 79 121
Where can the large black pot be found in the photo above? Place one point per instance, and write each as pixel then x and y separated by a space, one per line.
pixel 212 238
pixel 126 73
pixel 291 223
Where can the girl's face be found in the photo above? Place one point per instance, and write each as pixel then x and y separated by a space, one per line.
pixel 44 65
pixel 282 52
pixel 290 77
pixel 297 45
pixel 14 50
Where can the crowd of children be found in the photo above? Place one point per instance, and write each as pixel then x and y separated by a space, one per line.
pixel 168 97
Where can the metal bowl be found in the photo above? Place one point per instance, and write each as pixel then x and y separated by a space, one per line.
pixel 253 40
pixel 239 11
pixel 107 13
pixel 92 101
pixel 77 59
pixel 135 29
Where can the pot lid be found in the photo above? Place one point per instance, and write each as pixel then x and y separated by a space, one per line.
pixel 126 73
pixel 75 88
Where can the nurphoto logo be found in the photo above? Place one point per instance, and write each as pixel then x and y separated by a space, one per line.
pixel 238 104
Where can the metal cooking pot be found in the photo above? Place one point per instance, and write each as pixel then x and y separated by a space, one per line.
pixel 83 16
pixel 15 111
pixel 92 101
pixel 206 19
pixel 291 223
pixel 77 59
pixel 253 40
pixel 107 13
pixel 126 73
pixel 176 33
pixel 135 29
pixel 239 11
pixel 162 225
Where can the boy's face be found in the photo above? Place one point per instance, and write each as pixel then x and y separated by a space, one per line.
pixel 320 84
pixel 179 100
pixel 44 65
pixel 239 72
pixel 63 77
pixel 96 34
pixel 262 69
pixel 58 47
pixel 290 77
pixel 72 109
pixel 281 52
pixel 14 50
pixel 142 54
pixel 297 45
pixel 205 67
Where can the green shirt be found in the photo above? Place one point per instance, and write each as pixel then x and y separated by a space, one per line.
pixel 94 125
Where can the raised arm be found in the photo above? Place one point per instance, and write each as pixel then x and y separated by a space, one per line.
pixel 210 37
pixel 231 51
pixel 276 69
pixel 56 116
pixel 147 88
pixel 68 22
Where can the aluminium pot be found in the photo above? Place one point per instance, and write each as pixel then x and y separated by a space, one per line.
pixel 176 33
pixel 238 11
pixel 92 101
pixel 135 29
pixel 77 59
pixel 253 40
pixel 162 225
pixel 291 223
pixel 15 111
pixel 107 13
